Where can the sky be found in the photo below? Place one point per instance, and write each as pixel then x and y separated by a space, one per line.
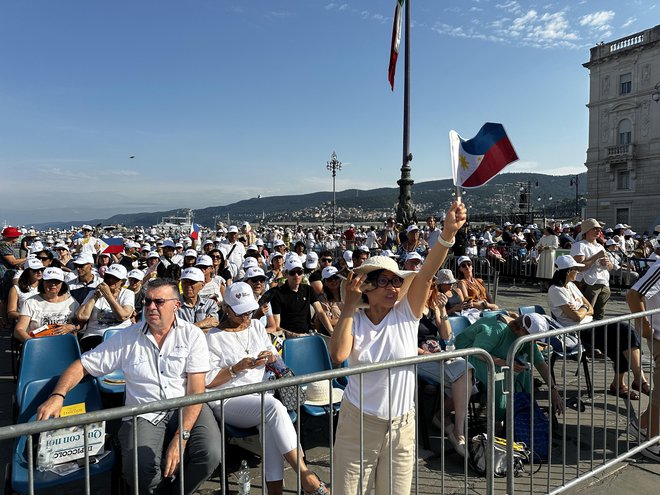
pixel 222 100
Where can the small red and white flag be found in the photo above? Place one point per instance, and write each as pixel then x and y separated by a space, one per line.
pixel 396 41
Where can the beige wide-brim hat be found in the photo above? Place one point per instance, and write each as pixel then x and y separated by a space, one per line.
pixel 382 263
pixel 318 395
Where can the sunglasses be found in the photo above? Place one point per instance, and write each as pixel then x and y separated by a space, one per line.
pixel 43 258
pixel 158 302
pixel 383 282
pixel 295 273
pixel 216 257
pixel 53 281
pixel 247 313
pixel 463 265
pixel 256 280
pixel 334 278
pixel 326 260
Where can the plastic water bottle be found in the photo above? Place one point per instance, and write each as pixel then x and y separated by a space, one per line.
pixel 450 345
pixel 244 479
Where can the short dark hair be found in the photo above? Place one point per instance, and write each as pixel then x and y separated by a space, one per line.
pixel 559 277
pixel 63 290
pixel 157 283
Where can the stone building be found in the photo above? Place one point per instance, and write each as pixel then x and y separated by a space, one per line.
pixel 623 158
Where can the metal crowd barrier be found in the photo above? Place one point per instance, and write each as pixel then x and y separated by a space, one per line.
pixel 600 433
pixel 32 428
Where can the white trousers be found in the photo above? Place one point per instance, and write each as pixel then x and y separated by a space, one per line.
pixel 279 435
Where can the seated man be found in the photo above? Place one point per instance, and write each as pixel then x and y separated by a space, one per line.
pixel 162 358
pixel 202 313
pixel 495 334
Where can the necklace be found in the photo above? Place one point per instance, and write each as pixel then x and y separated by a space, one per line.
pixel 246 347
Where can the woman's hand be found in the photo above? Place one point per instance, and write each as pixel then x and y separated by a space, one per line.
pixel 103 290
pixel 441 300
pixel 354 287
pixel 455 218
pixel 248 363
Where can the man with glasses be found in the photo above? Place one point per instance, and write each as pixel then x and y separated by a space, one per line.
pixel 292 302
pixel 202 313
pixel 595 275
pixel 315 278
pixel 85 280
pixel 163 357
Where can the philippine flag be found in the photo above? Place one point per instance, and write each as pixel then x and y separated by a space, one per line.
pixel 476 161
pixel 113 245
pixel 194 231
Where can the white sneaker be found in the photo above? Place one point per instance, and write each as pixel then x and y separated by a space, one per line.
pixel 457 442
pixel 652 453
pixel 635 431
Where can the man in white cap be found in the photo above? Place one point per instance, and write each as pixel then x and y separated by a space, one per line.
pixel 163 357
pixel 360 255
pixel 595 275
pixel 213 285
pixel 202 313
pixel 413 262
pixel 87 243
pixel 292 302
pixel 645 296
pixel 85 280
pixel 233 249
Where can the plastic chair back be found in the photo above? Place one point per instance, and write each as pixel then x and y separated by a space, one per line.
pixel 458 324
pixel 45 357
pixel 306 355
pixel 525 310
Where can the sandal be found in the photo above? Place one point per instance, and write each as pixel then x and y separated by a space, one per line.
pixel 321 490
pixel 645 388
pixel 623 392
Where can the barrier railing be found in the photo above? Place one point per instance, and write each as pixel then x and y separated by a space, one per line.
pixel 608 446
pixel 32 428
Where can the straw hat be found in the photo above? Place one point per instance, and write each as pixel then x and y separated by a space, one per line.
pixel 317 394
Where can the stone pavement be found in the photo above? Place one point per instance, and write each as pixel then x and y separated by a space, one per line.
pixel 440 469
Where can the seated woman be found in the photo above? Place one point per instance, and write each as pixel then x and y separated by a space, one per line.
pixel 569 307
pixel 457 373
pixel 473 289
pixel 496 334
pixel 52 306
pixel 239 350
pixel 330 298
pixel 27 286
pixel 108 306
pixel 447 286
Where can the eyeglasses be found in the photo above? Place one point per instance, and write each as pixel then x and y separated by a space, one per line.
pixel 295 273
pixel 158 302
pixel 383 282
pixel 256 280
pixel 326 260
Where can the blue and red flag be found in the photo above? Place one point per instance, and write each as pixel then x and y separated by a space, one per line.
pixel 112 245
pixel 476 161
pixel 194 231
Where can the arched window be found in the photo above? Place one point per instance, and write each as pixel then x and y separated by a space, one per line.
pixel 624 132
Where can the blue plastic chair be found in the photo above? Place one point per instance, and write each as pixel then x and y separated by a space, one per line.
pixel 305 355
pixel 493 312
pixel 45 357
pixel 36 392
pixel 458 324
pixel 112 383
pixel 525 310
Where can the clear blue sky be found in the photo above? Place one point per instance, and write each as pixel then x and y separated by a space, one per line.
pixel 223 100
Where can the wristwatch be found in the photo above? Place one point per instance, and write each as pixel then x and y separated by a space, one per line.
pixel 185 434
pixel 231 372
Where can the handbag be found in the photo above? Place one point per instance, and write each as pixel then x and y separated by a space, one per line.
pixel 478 459
pixel 290 396
pixel 523 410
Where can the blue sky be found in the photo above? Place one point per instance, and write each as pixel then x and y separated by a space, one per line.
pixel 223 100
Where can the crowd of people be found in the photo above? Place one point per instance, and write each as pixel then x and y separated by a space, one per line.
pixel 210 312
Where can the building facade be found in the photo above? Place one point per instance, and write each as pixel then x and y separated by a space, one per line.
pixel 623 158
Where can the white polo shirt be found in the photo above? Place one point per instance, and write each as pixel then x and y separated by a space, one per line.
pixel 597 273
pixel 151 373
pixel 649 287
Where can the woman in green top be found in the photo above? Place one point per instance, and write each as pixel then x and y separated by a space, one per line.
pixel 496 334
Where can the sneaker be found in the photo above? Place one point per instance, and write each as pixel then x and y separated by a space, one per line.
pixel 652 453
pixel 457 442
pixel 635 431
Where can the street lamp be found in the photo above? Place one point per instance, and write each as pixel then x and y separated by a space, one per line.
pixel 575 181
pixel 334 166
pixel 656 93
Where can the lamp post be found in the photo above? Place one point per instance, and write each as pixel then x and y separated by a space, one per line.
pixel 334 166
pixel 575 181
pixel 656 93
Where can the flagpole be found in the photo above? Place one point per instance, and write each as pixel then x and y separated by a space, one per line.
pixel 405 211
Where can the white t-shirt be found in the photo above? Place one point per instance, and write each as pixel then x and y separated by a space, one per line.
pixel 649 287
pixel 103 317
pixel 151 373
pixel 597 273
pixel 212 290
pixel 228 348
pixel 561 296
pixel 393 338
pixel 42 312
pixel 23 296
pixel 86 245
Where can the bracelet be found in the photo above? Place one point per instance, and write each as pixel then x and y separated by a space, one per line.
pixel 57 393
pixel 231 372
pixel 444 243
pixel 444 318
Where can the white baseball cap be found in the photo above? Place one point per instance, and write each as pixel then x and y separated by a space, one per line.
pixel 567 261
pixel 535 323
pixel 232 229
pixel 240 298
pixel 53 273
pixel 192 273
pixel 312 260
pixel 33 264
pixel 84 259
pixel 204 260
pixel 190 253
pixel 253 272
pixel 329 271
pixel 410 228
pixel 117 271
pixel 348 258
pixel 273 255
pixel 292 262
pixel 136 274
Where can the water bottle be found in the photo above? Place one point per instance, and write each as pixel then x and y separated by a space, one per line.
pixel 244 479
pixel 450 344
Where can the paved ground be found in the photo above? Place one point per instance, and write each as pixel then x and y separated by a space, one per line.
pixel 441 470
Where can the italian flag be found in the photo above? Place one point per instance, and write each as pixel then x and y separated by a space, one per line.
pixel 396 41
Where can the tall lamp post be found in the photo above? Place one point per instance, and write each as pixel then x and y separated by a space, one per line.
pixel 575 181
pixel 334 166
